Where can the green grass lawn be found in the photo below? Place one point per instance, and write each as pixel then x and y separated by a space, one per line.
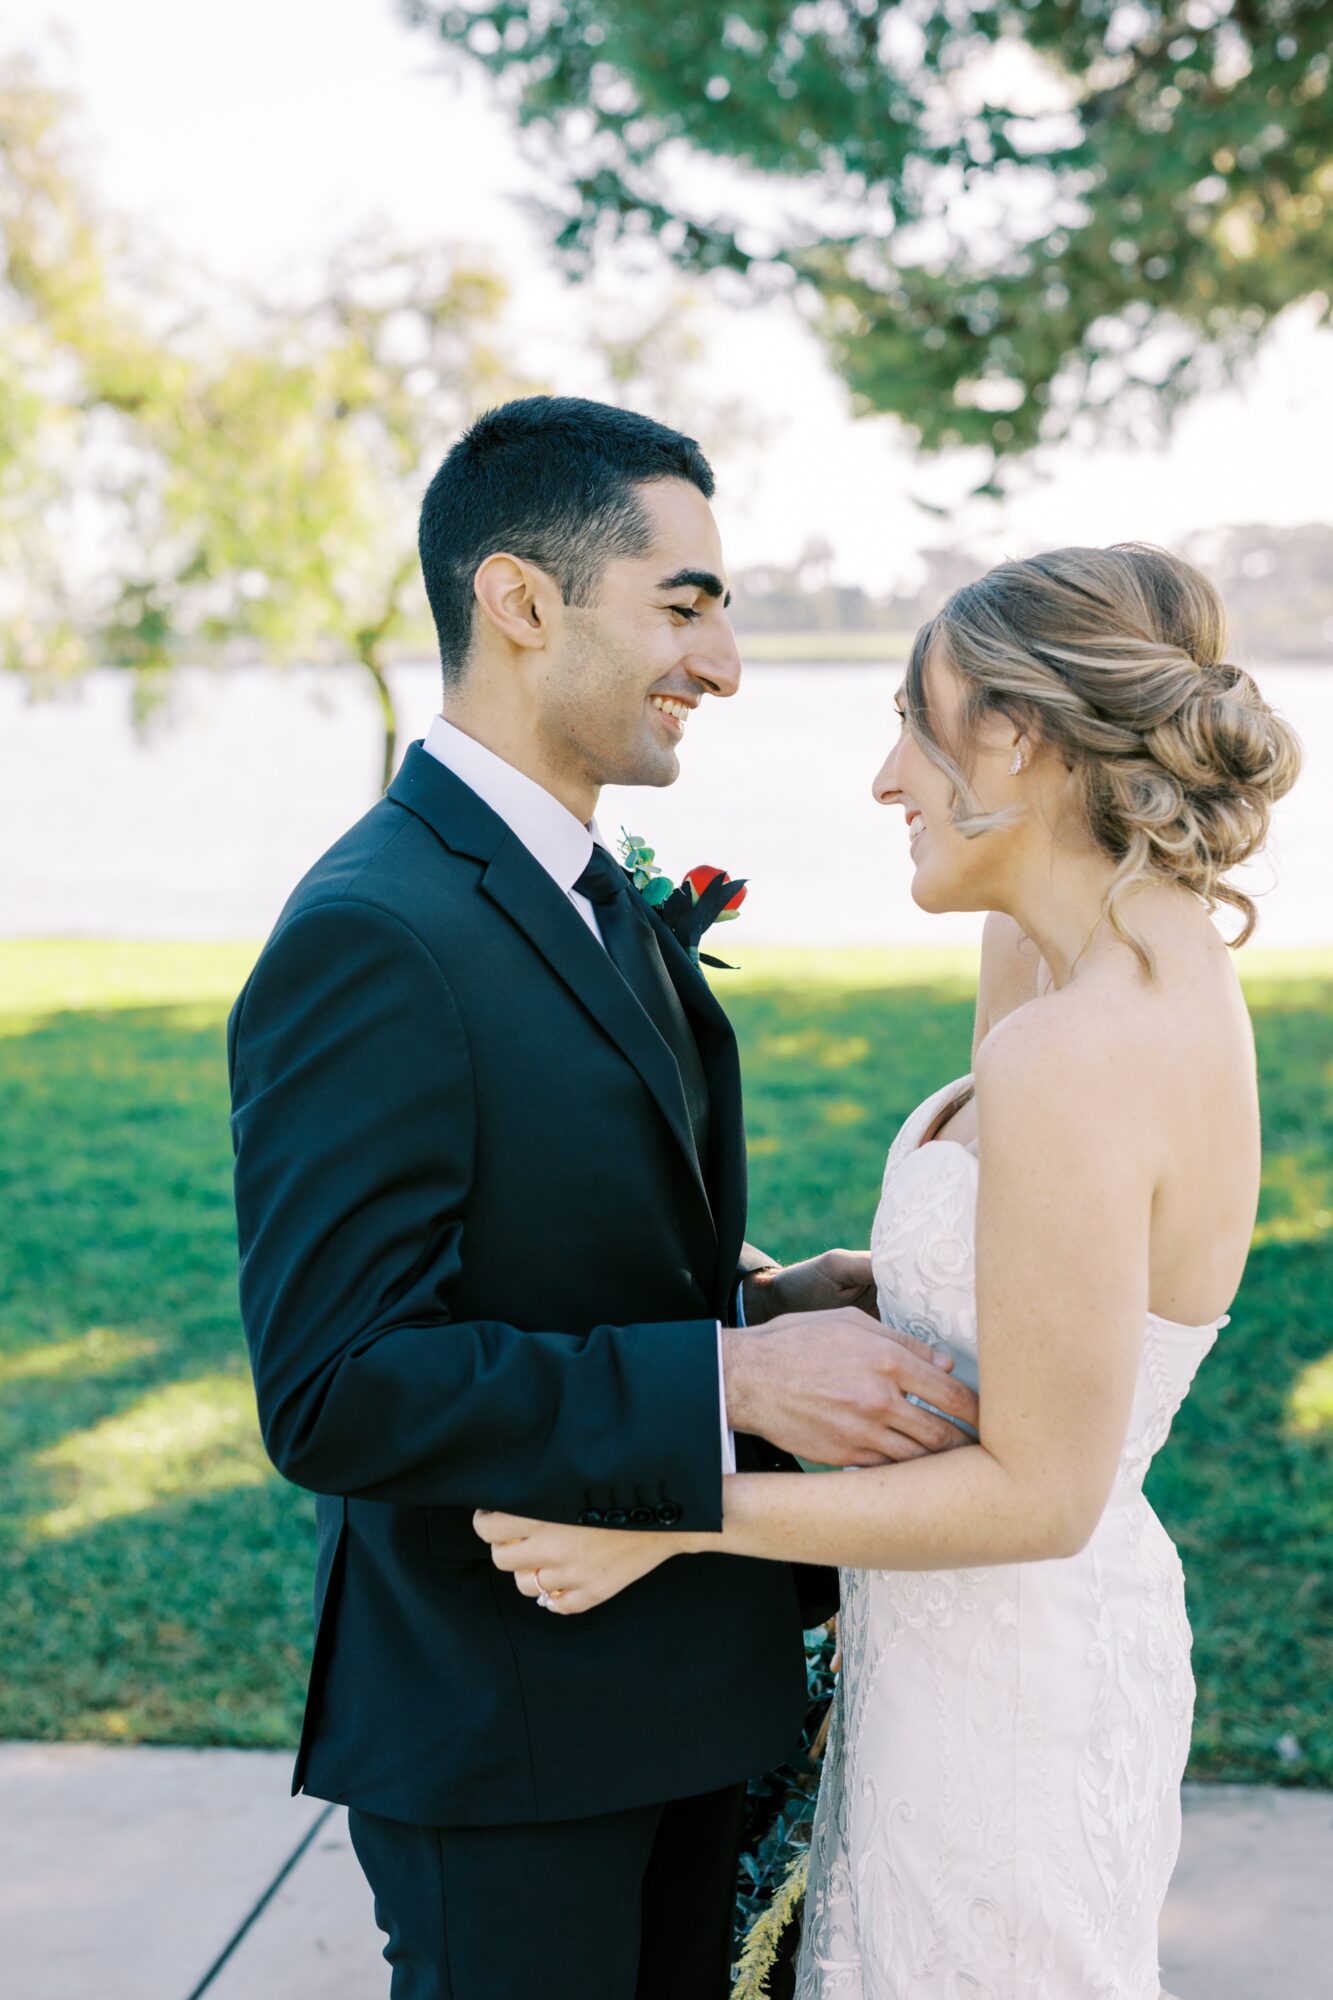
pixel 155 1573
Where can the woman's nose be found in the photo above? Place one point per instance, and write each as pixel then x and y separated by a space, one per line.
pixel 885 787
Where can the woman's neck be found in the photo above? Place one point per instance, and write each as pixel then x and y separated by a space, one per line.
pixel 1061 908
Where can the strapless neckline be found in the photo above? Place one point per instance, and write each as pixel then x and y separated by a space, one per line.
pixel 939 1102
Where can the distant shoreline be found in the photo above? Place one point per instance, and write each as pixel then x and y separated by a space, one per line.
pixel 779 649
pixel 847 649
pixel 867 649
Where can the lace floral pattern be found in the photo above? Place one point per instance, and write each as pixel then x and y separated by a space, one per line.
pixel 1000 1808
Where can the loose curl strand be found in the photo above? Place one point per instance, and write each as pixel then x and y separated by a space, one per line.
pixel 1114 660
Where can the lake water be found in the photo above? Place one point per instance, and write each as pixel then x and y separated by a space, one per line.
pixel 202 828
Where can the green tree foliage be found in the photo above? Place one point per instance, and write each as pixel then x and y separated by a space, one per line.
pixel 298 456
pixel 998 217
pixel 78 368
pixel 183 470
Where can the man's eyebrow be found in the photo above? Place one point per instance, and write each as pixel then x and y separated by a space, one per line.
pixel 697 579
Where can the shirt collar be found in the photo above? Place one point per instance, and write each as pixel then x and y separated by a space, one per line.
pixel 549 831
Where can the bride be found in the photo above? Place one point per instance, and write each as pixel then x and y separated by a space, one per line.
pixel 1000 1806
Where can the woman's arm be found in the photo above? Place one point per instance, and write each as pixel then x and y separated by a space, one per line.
pixel 1062 1298
pixel 1065 1202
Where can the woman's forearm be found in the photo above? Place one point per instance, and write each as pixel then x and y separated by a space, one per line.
pixel 959 1509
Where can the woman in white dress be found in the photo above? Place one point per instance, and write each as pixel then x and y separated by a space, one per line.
pixel 999 1812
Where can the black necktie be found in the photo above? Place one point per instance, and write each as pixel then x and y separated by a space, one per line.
pixel 631 943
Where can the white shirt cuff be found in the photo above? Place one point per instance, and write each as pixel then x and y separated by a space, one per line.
pixel 728 1435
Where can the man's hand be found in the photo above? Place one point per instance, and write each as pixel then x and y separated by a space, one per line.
pixel 821 1284
pixel 833 1388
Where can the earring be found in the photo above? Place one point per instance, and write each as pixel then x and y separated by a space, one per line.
pixel 1017 764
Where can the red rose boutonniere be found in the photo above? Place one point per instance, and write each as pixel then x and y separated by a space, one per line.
pixel 705 896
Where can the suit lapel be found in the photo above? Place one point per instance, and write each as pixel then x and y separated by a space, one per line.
pixel 527 895
pixel 517 884
pixel 726 1169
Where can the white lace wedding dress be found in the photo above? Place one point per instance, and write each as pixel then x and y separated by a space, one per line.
pixel 1000 1807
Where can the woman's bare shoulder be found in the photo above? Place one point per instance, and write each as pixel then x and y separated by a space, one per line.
pixel 1057 1069
pixel 1079 1045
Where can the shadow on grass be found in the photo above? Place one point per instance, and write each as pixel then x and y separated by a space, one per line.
pixel 119 1273
pixel 154 1573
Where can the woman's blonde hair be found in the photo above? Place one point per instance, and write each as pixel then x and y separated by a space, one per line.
pixel 1113 659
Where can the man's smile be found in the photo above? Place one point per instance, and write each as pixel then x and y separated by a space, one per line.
pixel 674 710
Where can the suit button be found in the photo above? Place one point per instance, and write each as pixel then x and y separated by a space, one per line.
pixel 616 1517
pixel 668 1514
pixel 642 1517
pixel 590 1518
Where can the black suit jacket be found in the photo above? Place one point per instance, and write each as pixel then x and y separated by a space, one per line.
pixel 481 1267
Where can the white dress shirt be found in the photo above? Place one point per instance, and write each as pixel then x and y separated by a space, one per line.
pixel 562 845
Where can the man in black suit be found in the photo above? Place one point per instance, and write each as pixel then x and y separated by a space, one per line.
pixel 490 1186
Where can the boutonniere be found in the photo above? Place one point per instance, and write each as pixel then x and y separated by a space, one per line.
pixel 704 897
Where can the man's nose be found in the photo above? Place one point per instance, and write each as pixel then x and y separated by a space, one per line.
pixel 718 664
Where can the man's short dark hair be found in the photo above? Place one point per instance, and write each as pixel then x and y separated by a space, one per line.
pixel 553 480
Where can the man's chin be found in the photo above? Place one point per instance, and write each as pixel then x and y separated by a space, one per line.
pixel 659 769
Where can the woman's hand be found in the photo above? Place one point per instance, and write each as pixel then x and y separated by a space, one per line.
pixel 577 1568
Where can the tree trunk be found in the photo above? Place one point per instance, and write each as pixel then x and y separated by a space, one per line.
pixel 370 660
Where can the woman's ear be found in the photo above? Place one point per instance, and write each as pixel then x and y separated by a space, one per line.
pixel 1023 740
pixel 1017 742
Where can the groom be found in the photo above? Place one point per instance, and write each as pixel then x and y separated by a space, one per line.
pixel 490 1187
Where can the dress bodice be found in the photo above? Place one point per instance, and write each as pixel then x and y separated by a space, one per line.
pixel 923 1251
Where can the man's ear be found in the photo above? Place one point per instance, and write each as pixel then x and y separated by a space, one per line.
pixel 519 600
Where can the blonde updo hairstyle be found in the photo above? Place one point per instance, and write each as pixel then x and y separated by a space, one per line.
pixel 1113 659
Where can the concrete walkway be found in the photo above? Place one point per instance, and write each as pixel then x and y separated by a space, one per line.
pixel 191 1875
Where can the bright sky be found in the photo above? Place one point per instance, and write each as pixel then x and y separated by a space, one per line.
pixel 252 134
